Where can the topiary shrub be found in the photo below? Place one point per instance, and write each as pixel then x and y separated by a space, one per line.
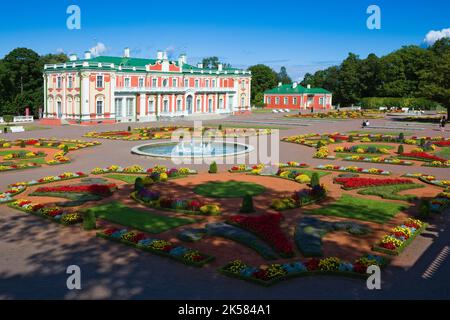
pixel 400 149
pixel 220 127
pixel 320 144
pixel 129 128
pixel 350 139
pixel 66 149
pixel 213 167
pixel 401 136
pixel 422 142
pixel 22 144
pixel 315 180
pixel 425 209
pixel 247 204
pixel 139 184
pixel 89 220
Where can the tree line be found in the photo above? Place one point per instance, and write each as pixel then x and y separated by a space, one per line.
pixel 21 81
pixel 410 75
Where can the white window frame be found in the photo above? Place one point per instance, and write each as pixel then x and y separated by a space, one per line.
pixel 179 105
pixel 58 82
pixel 285 101
pixel 277 100
pixel 154 82
pixel 207 83
pixel 174 82
pixel 141 82
pixel 294 101
pixel 129 105
pixel 197 83
pixel 70 82
pixel 165 83
pixel 151 105
pixel 99 103
pixel 213 83
pixel 118 105
pixel 186 83
pixel 127 82
pixel 198 105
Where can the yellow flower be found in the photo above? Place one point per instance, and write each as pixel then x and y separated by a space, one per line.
pixel 303 178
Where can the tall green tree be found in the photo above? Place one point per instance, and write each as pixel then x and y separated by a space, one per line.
pixel 263 78
pixel 349 86
pixel 283 76
pixel 213 63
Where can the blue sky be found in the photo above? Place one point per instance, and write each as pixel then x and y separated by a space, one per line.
pixel 302 35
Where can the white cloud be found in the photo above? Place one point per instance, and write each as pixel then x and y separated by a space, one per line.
pixel 434 36
pixel 98 49
pixel 60 50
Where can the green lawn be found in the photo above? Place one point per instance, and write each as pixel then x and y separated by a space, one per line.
pixel 252 126
pixel 146 221
pixel 228 189
pixel 391 192
pixel 26 127
pixel 359 208
pixel 262 110
pixel 444 153
pixel 349 154
pixel 128 178
pixel 36 160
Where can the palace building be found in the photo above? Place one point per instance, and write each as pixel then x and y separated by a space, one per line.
pixel 125 89
pixel 296 97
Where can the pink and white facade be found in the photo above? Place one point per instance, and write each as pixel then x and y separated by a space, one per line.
pixel 125 89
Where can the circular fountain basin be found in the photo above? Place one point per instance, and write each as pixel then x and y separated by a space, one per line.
pixel 194 149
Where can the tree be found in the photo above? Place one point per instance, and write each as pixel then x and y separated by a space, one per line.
pixel 349 86
pixel 283 77
pixel 247 204
pixel 263 78
pixel 213 63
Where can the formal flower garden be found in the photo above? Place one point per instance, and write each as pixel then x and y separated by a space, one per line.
pixel 253 222
pixel 354 114
pixel 378 148
pixel 33 153
pixel 160 133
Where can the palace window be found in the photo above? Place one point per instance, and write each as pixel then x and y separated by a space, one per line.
pixel 151 106
pixel 268 100
pixel 58 82
pixel 165 83
pixel 186 83
pixel 277 100
pixel 118 107
pixel 210 105
pixel 154 82
pixel 129 107
pixel 70 82
pixel 230 102
pixel 242 84
pixel 221 106
pixel 196 83
pixel 166 106
pixel 141 82
pixel 320 101
pixel 126 82
pixel 174 82
pixel 199 105
pixel 294 100
pixel 99 81
pixel 285 101
pixel 243 101
pixel 213 84
pixel 99 107
pixel 207 83
pixel 179 105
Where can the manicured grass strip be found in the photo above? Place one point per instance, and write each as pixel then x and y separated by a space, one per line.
pixel 35 160
pixel 349 154
pixel 26 128
pixel 391 192
pixel 228 189
pixel 128 178
pixel 443 153
pixel 7 152
pixel 138 219
pixel 392 133
pixel 359 208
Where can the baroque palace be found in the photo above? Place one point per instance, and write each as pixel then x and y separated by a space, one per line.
pixel 124 89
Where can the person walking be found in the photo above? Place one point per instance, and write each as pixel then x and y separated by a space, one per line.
pixel 442 123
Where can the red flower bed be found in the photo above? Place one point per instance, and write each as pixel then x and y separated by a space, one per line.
pixel 444 143
pixel 31 142
pixel 353 183
pixel 116 133
pixel 268 228
pixel 339 137
pixel 423 155
pixel 103 190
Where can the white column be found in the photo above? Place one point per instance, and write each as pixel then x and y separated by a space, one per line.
pixel 112 103
pixel 142 113
pixel 172 102
pixel 85 96
pixel 63 103
pixel 124 108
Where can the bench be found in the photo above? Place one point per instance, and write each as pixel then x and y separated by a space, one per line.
pixel 17 129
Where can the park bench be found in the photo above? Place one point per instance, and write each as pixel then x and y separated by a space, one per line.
pixel 17 129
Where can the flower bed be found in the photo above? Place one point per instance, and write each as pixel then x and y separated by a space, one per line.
pixel 353 114
pixel 135 169
pixel 154 200
pixel 400 237
pixel 423 156
pixel 330 167
pixel 24 155
pixel 360 149
pixel 267 227
pixel 141 241
pixel 300 198
pixel 18 166
pixel 356 182
pixel 103 190
pixel 269 275
pixel 437 164
pixel 429 179
pixel 293 164
pixel 378 160
pixel 443 143
pixel 48 179
pixel 53 213
pixel 8 195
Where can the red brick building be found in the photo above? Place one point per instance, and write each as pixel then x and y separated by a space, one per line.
pixel 296 97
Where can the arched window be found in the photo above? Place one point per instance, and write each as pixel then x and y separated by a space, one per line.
pixel 165 83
